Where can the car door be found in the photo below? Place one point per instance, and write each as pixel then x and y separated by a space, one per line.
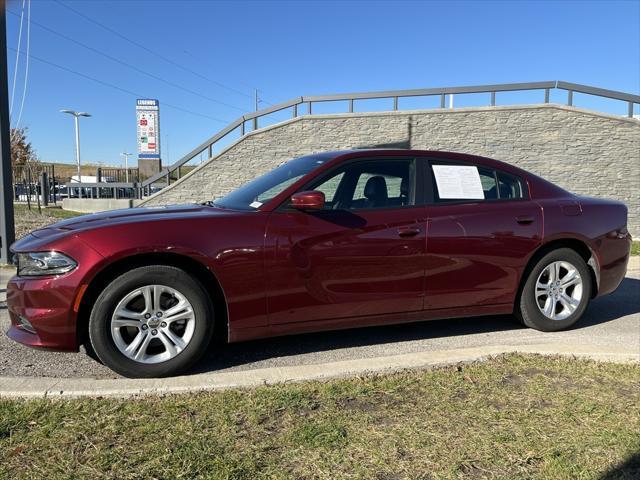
pixel 478 246
pixel 362 255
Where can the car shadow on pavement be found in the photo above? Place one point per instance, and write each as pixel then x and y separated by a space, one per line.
pixel 236 354
pixel 624 301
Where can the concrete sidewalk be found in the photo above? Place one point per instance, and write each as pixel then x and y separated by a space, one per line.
pixel 26 387
pixel 609 331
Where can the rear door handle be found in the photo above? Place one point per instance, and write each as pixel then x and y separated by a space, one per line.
pixel 408 231
pixel 524 220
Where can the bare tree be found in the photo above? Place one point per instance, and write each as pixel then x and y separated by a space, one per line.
pixel 25 159
pixel 22 152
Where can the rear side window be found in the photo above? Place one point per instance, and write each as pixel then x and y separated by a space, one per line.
pixel 453 182
pixel 489 184
pixel 509 186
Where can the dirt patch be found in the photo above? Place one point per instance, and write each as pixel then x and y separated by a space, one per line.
pixel 28 221
pixel 362 404
pixel 514 380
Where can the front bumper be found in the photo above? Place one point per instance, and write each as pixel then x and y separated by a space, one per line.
pixel 50 304
pixel 48 307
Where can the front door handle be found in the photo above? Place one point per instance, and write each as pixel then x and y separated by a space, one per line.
pixel 524 219
pixel 408 231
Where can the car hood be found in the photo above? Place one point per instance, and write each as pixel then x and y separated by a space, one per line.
pixel 126 216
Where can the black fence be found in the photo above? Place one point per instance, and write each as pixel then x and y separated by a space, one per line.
pixel 36 184
pixel 116 190
pixel 117 175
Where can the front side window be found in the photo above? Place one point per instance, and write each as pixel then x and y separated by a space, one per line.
pixel 368 185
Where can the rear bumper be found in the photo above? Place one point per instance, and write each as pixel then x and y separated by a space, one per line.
pixel 613 258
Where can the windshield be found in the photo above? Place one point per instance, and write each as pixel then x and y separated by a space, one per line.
pixel 259 191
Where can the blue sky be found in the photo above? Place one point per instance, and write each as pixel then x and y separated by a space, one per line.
pixel 287 49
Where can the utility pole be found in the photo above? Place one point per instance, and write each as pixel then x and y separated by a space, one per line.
pixel 126 156
pixel 7 227
pixel 76 115
pixel 256 99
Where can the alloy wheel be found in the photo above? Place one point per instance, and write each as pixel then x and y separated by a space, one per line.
pixel 559 290
pixel 152 324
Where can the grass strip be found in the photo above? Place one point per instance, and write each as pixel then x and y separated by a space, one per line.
pixel 514 416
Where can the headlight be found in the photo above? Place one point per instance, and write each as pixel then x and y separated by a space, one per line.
pixel 43 263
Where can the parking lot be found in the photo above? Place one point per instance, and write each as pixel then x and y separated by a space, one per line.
pixel 611 325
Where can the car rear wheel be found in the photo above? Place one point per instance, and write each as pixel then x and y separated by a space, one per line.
pixel 153 321
pixel 556 292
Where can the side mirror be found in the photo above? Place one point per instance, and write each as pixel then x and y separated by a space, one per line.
pixel 310 200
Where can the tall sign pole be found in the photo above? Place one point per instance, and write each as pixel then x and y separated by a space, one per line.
pixel 7 227
pixel 148 131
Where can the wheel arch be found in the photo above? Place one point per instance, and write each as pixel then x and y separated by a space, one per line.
pixel 110 272
pixel 577 245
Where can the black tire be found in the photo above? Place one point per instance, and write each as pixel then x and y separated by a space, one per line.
pixel 527 310
pixel 100 321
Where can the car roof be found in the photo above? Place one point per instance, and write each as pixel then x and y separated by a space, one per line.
pixel 455 156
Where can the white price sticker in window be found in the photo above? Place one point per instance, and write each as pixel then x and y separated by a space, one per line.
pixel 458 182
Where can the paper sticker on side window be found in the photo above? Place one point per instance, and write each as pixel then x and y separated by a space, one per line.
pixel 458 182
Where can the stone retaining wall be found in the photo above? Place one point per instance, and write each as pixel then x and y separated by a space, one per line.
pixel 583 151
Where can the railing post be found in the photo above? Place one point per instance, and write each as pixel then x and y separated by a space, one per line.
pixel 295 110
pixel 442 100
pixel 395 103
pixel 255 123
pixel 630 110
pixel 44 188
pixel 242 129
pixel 493 99
pixel 168 179
pixel 209 152
pixel 309 108
pixel 178 169
pixel 570 98
pixel 29 185
pixel 55 184
pixel 546 95
pixel 351 105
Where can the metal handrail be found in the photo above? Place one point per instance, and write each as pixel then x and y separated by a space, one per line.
pixel 294 103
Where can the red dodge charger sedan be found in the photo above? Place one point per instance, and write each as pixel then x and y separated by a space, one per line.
pixel 327 241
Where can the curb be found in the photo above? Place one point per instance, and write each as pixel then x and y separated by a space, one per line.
pixel 33 387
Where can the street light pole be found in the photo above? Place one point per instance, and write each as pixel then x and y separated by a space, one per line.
pixel 77 124
pixel 76 115
pixel 126 165
pixel 7 230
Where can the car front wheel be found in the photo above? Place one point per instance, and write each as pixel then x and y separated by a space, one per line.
pixel 153 321
pixel 556 292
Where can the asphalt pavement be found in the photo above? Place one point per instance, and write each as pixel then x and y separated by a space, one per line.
pixel 610 325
